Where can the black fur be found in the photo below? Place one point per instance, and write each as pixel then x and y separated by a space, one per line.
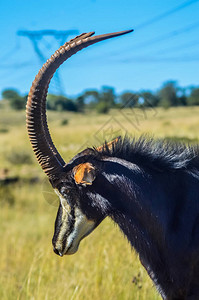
pixel 154 198
pixel 154 154
pixel 151 190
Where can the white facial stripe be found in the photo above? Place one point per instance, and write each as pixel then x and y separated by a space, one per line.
pixel 65 213
pixel 82 227
pixel 63 230
pixel 63 201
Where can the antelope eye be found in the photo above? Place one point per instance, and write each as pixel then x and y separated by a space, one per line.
pixel 64 190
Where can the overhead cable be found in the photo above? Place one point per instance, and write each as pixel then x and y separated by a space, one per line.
pixel 165 14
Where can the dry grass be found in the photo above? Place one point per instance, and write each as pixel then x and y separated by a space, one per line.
pixel 105 267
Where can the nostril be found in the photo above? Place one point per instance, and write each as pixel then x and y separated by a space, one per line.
pixel 56 251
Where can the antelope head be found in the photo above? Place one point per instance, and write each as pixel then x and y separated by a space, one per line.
pixel 76 181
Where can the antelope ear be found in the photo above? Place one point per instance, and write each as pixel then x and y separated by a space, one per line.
pixel 84 174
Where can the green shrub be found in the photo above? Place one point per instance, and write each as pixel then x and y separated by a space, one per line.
pixel 18 103
pixel 19 157
pixel 194 97
pixel 3 130
pixel 102 107
pixel 6 195
pixel 64 122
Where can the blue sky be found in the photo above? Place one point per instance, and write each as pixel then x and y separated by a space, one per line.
pixel 160 49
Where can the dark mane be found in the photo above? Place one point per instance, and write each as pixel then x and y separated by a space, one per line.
pixel 155 154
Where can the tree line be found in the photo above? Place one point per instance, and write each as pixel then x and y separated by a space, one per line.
pixel 169 95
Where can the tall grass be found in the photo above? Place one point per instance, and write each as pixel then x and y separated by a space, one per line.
pixel 105 267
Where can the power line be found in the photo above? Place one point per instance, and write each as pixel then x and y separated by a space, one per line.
pixel 166 14
pixel 179 47
pixel 155 59
pixel 158 39
pixel 167 36
pixel 60 34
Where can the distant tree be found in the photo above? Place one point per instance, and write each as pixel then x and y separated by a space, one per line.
pixel 18 103
pixel 194 97
pixel 107 95
pixel 182 95
pixel 149 99
pixel 10 94
pixel 182 100
pixel 168 94
pixel 80 103
pixel 67 104
pixel 15 100
pixel 51 101
pixel 60 103
pixel 90 98
pixel 105 99
pixel 128 99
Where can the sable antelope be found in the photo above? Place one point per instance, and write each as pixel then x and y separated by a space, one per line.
pixel 149 188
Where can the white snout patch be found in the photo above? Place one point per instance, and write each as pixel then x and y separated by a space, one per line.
pixel 81 228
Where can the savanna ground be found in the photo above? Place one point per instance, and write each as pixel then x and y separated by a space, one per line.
pixel 105 267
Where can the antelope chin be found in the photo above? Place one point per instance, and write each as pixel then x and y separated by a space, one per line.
pixel 74 245
pixel 72 249
pixel 82 228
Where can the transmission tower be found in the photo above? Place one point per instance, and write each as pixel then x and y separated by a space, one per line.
pixel 37 37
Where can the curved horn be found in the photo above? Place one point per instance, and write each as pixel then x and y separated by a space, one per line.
pixel 36 121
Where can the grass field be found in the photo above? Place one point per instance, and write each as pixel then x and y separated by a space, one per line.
pixel 105 267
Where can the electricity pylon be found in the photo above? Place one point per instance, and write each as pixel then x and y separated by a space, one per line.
pixel 38 36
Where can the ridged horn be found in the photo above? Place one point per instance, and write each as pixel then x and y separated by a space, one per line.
pixel 36 120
